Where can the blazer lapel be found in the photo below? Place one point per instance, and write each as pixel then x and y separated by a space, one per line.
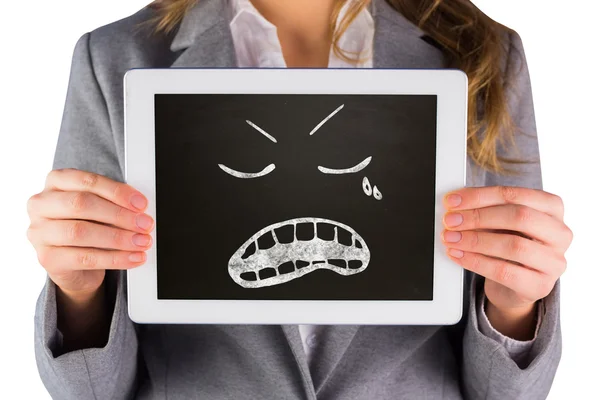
pixel 204 38
pixel 292 334
pixel 333 342
pixel 398 43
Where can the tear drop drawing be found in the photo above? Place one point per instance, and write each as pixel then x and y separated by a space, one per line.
pixel 366 185
pixel 377 194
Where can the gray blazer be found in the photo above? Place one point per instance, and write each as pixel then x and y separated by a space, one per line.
pixel 268 362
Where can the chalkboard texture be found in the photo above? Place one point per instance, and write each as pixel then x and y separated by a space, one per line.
pixel 295 197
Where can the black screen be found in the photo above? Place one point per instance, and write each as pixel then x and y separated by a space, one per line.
pixel 251 205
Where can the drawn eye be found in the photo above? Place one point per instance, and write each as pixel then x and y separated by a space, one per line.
pixel 358 167
pixel 247 175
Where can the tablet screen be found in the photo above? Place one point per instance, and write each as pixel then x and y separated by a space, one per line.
pixel 295 197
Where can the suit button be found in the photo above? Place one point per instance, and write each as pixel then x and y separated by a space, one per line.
pixel 311 341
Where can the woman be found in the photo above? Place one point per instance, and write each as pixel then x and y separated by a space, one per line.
pixel 87 225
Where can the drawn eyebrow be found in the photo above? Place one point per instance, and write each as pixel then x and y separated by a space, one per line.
pixel 246 175
pixel 326 119
pixel 258 128
pixel 358 167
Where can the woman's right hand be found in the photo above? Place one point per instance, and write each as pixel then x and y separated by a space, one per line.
pixel 83 224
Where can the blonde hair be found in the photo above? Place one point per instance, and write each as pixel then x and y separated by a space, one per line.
pixel 472 42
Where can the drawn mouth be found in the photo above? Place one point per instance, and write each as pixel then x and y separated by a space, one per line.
pixel 290 249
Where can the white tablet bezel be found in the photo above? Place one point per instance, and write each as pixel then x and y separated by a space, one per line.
pixel 450 86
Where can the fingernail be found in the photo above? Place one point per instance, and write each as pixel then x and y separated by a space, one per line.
pixel 137 257
pixel 138 202
pixel 452 237
pixel 141 240
pixel 456 253
pixel 453 219
pixel 453 200
pixel 144 221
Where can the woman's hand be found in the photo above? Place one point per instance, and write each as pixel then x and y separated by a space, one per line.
pixel 83 224
pixel 514 237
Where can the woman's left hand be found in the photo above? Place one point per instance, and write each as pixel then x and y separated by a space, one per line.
pixel 514 237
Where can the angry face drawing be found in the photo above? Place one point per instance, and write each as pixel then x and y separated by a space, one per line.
pixel 290 249
pixel 295 196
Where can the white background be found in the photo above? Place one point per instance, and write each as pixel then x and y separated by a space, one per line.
pixel 561 42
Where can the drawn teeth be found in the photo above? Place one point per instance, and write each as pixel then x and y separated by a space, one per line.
pixel 302 232
pixel 305 231
pixel 344 237
pixel 285 234
pixel 249 251
pixel 338 263
pixel 325 231
pixel 286 268
pixel 266 241
pixel 267 273
pixel 291 249
pixel 248 276
pixel 290 267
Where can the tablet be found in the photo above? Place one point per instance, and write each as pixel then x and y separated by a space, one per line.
pixel 296 196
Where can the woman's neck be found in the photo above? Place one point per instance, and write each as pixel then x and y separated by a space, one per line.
pixel 303 28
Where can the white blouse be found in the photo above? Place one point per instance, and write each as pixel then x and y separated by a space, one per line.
pixel 257 45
